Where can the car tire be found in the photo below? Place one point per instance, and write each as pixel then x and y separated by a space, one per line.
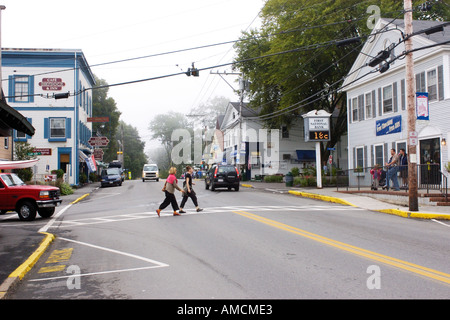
pixel 27 211
pixel 236 188
pixel 46 212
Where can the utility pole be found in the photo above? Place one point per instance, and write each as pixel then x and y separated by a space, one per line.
pixel 410 102
pixel 243 86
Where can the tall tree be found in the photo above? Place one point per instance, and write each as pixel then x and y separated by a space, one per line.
pixel 162 127
pixel 134 155
pixel 104 106
pixel 311 69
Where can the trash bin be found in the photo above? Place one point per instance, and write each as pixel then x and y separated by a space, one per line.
pixel 289 179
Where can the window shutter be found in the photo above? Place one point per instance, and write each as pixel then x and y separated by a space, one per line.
pixel 46 128
pixel 403 93
pixel 31 122
pixel 354 158
pixel 11 88
pixel 68 128
pixel 380 103
pixel 365 158
pixel 441 82
pixel 31 89
pixel 394 96
pixel 374 107
pixel 372 156
pixel 349 110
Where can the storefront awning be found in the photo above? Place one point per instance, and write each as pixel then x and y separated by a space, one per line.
pixel 8 165
pixel 12 119
pixel 306 155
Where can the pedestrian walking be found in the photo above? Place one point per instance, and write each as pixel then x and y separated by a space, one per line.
pixel 188 191
pixel 392 171
pixel 169 190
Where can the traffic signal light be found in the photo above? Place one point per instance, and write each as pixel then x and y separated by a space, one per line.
pixel 192 71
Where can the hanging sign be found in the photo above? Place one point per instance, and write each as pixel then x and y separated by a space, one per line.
pixel 422 106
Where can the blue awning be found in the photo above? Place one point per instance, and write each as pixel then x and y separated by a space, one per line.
pixel 306 155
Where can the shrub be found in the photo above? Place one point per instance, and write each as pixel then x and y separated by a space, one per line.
pixel 295 171
pixel 273 178
pixel 65 188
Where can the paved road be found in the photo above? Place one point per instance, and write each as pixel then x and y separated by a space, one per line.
pixel 250 244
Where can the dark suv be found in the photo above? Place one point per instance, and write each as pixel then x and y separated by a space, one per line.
pixel 222 176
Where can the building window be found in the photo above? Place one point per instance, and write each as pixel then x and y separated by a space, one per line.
pixel 360 157
pixel 57 127
pixel 420 82
pixel 379 155
pixel 6 143
pixel 369 105
pixel 355 109
pixel 284 132
pixel 21 88
pixel 387 99
pixel 432 85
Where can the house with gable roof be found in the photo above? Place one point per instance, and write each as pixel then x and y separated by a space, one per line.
pixel 376 101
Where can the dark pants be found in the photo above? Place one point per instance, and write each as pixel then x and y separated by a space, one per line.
pixel 170 199
pixel 189 195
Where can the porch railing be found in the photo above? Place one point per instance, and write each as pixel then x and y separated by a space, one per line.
pixel 429 177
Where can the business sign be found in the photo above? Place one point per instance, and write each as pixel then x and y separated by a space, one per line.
pixel 389 126
pixel 317 126
pixel 98 119
pixel 52 84
pixel 98 141
pixel 422 106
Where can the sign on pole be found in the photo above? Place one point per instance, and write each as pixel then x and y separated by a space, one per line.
pixel 98 141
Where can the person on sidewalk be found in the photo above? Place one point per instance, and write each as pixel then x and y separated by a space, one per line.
pixel 392 166
pixel 188 191
pixel 169 190
pixel 376 176
pixel 403 163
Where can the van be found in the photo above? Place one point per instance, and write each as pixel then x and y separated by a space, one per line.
pixel 150 172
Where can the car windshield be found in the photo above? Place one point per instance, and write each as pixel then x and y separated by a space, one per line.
pixel 110 171
pixel 150 168
pixel 226 169
pixel 12 180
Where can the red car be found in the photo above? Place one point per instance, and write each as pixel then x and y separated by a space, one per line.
pixel 27 200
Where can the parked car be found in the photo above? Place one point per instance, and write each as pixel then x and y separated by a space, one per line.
pixel 110 177
pixel 222 176
pixel 118 164
pixel 27 200
pixel 150 172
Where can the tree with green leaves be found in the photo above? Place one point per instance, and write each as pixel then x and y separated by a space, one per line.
pixel 104 106
pixel 162 127
pixel 311 67
pixel 134 156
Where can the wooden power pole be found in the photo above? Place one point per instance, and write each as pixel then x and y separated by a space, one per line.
pixel 410 101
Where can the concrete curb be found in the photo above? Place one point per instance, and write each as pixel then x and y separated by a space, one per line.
pixel 397 212
pixel 22 270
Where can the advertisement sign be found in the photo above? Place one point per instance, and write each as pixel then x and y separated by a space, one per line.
pixel 389 126
pixel 52 84
pixel 422 106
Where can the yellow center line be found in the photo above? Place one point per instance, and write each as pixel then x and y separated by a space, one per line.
pixel 423 271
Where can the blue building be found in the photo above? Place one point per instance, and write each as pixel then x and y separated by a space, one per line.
pixel 51 88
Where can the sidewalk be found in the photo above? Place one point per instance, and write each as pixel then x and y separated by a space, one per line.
pixel 359 200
